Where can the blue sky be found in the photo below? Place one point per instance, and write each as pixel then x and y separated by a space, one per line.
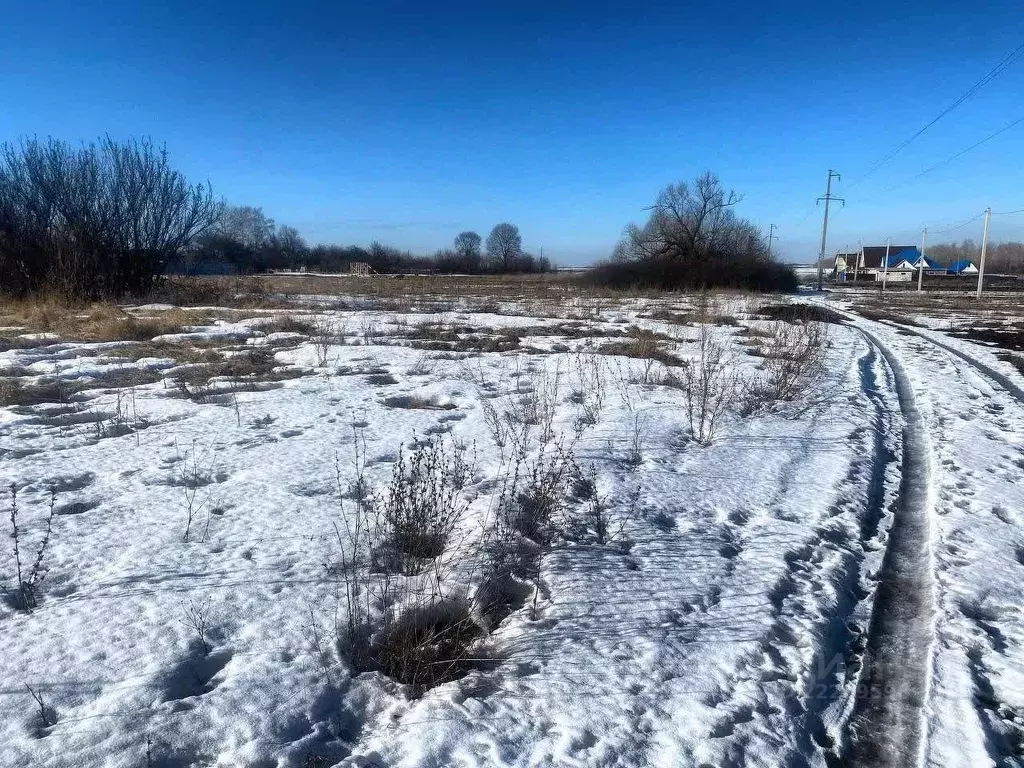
pixel 411 122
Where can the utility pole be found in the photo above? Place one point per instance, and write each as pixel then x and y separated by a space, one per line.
pixel 824 225
pixel 984 248
pixel 920 271
pixel 856 264
pixel 771 236
pixel 885 267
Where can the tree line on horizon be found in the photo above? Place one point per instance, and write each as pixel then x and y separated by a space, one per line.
pixel 244 240
pixel 1006 258
pixel 109 219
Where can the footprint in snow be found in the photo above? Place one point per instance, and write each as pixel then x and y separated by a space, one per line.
pixel 194 675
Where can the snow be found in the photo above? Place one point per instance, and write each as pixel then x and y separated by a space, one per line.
pixel 720 627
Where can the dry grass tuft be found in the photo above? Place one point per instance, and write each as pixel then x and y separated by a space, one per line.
pixel 642 345
pixel 94 322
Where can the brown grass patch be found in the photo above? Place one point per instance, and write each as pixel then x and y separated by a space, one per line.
pixel 668 316
pixel 93 322
pixel 642 345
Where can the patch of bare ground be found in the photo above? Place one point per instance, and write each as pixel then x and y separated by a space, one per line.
pixel 243 371
pixel 1016 361
pixel 642 344
pixel 884 314
pixel 942 306
pixel 673 317
pixel 1010 336
pixel 801 313
pixel 182 352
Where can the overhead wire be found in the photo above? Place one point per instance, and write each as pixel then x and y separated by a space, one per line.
pixel 991 75
pixel 951 158
pixel 958 226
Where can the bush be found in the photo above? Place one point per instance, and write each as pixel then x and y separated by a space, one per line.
pixel 28 579
pixel 710 386
pixel 99 221
pixel 398 617
pixel 427 645
pixel 794 360
pixel 421 507
pixel 740 273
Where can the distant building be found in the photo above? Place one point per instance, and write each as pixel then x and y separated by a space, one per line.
pixel 962 267
pixel 844 263
pixel 870 263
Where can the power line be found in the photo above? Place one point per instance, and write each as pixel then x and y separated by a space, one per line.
pixel 991 75
pixel 959 226
pixel 1007 213
pixel 951 158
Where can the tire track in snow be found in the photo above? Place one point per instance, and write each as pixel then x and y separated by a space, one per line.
pixel 888 725
pixel 966 625
pixel 987 371
pixel 811 653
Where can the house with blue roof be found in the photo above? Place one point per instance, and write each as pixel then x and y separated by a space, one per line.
pixel 871 263
pixel 962 267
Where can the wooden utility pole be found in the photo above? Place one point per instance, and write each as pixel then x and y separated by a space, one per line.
pixel 824 224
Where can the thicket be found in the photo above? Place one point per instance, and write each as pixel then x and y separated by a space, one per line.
pixel 693 239
pixel 97 221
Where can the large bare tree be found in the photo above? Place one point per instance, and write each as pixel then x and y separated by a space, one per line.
pixel 689 222
pixel 505 246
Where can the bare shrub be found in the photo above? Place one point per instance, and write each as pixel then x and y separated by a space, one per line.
pixel 46 715
pixel 192 478
pixel 495 422
pixel 196 616
pixel 326 334
pixel 635 441
pixel 421 507
pixel 403 624
pixel 596 520
pixel 24 595
pixel 537 492
pixel 794 360
pixel 710 386
pixel 97 220
pixel 589 397
pixel 370 330
pixel 427 645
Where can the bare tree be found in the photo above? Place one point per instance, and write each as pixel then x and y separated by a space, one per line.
pixel 694 239
pixel 290 242
pixel 468 251
pixel 504 246
pixel 99 220
pixel 247 225
pixel 688 222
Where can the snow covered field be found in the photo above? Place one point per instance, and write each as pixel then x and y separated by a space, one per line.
pixel 633 587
